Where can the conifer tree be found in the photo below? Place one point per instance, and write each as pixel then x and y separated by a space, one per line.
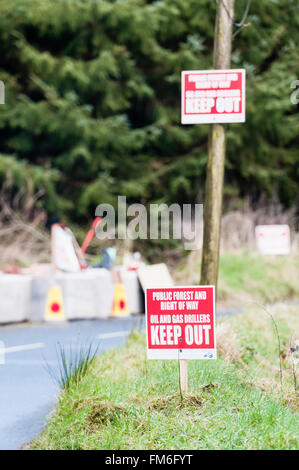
pixel 93 101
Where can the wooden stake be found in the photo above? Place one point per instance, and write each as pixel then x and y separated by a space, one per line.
pixel 216 153
pixel 184 375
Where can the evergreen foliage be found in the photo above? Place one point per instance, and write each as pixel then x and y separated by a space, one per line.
pixel 93 101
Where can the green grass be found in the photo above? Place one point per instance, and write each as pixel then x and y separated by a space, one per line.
pixel 73 364
pixel 247 277
pixel 127 402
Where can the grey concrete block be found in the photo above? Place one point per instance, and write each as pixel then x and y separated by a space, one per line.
pixel 88 294
pixel 134 292
pixel 14 298
pixel 79 294
pixel 39 291
pixel 104 292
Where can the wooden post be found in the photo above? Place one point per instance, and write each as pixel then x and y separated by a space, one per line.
pixel 216 154
pixel 184 375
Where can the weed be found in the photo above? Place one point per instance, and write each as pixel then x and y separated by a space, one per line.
pixel 72 364
pixel 102 412
pixel 171 402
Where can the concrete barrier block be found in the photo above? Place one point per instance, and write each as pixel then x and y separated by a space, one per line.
pixel 88 294
pixel 14 298
pixel 79 294
pixel 134 292
pixel 104 292
pixel 39 291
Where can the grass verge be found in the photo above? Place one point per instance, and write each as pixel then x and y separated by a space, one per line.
pixel 235 402
pixel 244 277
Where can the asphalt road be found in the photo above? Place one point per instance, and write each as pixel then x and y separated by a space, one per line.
pixel 27 390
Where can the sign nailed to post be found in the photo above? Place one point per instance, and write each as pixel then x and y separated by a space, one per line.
pixel 213 96
pixel 181 323
pixel 273 239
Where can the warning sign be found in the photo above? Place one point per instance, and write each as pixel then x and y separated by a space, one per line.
pixel 211 96
pixel 273 239
pixel 181 323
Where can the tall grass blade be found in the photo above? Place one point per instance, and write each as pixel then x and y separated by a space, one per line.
pixel 72 364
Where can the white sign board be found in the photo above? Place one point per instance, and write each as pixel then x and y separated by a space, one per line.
pixel 273 239
pixel 64 255
pixel 211 96
pixel 153 275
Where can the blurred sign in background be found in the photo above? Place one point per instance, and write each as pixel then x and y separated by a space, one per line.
pixel 273 239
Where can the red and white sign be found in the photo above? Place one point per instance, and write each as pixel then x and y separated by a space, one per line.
pixel 273 239
pixel 180 323
pixel 211 96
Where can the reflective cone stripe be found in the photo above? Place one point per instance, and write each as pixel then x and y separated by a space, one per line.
pixel 54 305
pixel 120 302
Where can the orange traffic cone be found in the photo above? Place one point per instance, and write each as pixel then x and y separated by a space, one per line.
pixel 54 305
pixel 120 308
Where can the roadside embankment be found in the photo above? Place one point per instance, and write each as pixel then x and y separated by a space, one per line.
pixel 246 399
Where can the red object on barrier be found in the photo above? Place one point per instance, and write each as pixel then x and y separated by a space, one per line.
pixel 90 234
pixel 55 307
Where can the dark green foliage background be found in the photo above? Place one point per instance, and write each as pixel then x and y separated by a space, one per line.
pixel 93 101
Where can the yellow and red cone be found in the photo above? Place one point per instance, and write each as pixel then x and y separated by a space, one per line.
pixel 120 308
pixel 54 305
